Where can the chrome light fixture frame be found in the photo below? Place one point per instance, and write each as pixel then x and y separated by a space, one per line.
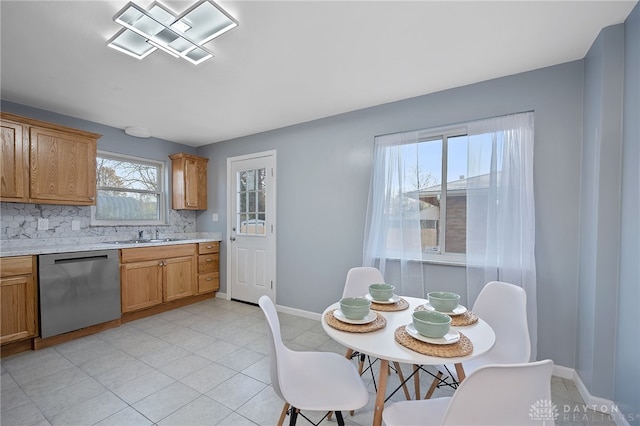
pixel 145 31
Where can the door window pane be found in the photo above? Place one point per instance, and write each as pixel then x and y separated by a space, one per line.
pixel 251 202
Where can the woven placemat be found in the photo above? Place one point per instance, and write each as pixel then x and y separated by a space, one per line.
pixel 400 305
pixel 461 320
pixel 462 347
pixel 376 324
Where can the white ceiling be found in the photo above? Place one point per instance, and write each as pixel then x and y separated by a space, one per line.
pixel 288 62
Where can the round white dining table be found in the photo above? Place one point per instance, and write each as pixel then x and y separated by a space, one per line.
pixel 383 345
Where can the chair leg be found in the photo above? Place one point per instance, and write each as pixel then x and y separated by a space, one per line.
pixel 339 418
pixel 361 364
pixel 285 408
pixel 293 417
pixel 433 386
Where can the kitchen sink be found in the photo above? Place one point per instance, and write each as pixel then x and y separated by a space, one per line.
pixel 143 241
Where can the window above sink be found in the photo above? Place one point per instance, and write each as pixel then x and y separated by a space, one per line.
pixel 130 191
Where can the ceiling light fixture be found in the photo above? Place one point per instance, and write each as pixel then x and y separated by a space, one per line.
pixel 138 132
pixel 145 31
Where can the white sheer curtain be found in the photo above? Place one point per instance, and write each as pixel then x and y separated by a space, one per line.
pixel 392 240
pixel 500 208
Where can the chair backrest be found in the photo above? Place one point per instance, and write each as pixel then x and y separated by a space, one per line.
pixel 359 279
pixel 276 345
pixel 506 394
pixel 504 307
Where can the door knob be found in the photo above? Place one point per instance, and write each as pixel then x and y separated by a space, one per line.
pixel 232 238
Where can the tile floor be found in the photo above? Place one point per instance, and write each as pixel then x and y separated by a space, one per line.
pixel 204 364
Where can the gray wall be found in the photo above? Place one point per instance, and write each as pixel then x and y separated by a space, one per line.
pixel 324 169
pixel 627 349
pixel 599 210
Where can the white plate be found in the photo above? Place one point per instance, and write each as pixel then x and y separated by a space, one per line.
pixel 395 298
pixel 370 317
pixel 451 337
pixel 458 310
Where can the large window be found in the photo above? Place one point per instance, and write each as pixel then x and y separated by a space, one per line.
pixel 436 170
pixel 130 191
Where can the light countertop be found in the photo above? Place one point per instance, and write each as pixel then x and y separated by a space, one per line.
pixel 23 247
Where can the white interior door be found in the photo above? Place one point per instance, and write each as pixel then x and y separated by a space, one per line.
pixel 251 251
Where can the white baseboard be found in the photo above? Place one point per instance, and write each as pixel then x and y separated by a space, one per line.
pixel 563 372
pixel 299 312
pixel 601 405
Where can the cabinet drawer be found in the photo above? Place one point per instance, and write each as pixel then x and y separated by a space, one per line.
pixel 209 247
pixel 208 263
pixel 19 265
pixel 158 252
pixel 208 282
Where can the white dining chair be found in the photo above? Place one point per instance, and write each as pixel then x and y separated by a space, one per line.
pixel 314 381
pixel 493 395
pixel 504 307
pixel 357 284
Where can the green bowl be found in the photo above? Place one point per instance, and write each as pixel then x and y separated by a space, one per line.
pixel 381 292
pixel 431 324
pixel 443 301
pixel 355 308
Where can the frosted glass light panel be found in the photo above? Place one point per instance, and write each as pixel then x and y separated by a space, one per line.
pixel 251 202
pixel 181 36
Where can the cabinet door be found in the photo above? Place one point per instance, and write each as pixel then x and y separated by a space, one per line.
pixel 141 284
pixel 63 167
pixel 179 277
pixel 15 163
pixel 191 184
pixel 18 304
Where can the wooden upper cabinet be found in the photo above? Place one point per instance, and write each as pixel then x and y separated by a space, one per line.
pixel 14 175
pixel 189 182
pixel 63 167
pixel 52 164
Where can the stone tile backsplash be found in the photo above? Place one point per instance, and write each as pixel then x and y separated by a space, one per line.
pixel 20 221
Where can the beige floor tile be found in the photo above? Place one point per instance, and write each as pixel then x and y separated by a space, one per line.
pixel 90 411
pixel 200 412
pixel 236 391
pixel 142 386
pixel 128 417
pixel 209 377
pixel 161 404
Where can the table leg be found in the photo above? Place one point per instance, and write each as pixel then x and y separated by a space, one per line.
pixel 416 380
pixel 382 386
pixel 401 377
pixel 460 372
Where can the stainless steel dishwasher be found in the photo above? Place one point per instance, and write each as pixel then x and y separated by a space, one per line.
pixel 78 290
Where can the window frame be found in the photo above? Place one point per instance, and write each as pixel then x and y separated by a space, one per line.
pixel 162 192
pixel 444 134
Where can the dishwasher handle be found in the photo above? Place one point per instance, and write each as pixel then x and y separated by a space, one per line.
pixel 80 259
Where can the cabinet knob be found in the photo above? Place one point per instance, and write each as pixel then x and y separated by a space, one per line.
pixel 92 198
pixel 209 279
pixel 209 247
pixel 209 260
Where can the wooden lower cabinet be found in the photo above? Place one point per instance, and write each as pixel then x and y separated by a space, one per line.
pixel 208 267
pixel 155 275
pixel 18 298
pixel 141 285
pixel 179 278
